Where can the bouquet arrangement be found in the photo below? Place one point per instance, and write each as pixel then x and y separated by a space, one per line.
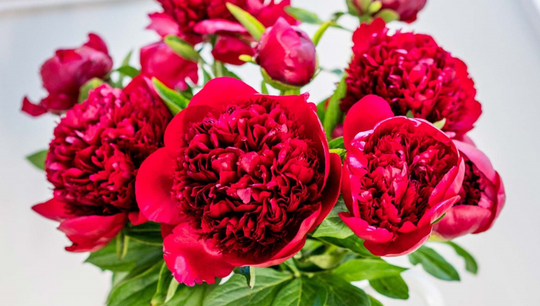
pixel 194 188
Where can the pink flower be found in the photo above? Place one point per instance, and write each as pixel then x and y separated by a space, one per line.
pixel 413 74
pixel 287 54
pixel 482 197
pixel 242 179
pixel 94 158
pixel 400 175
pixel 229 48
pixel 65 73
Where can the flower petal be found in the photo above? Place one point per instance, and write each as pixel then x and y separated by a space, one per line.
pixel 137 218
pixel 32 109
pixel 53 209
pixel 153 189
pixel 365 231
pixel 331 192
pixel 163 24
pixel 403 244
pixel 92 233
pixel 461 220
pixel 220 92
pixel 213 26
pixel 364 116
pixel 191 260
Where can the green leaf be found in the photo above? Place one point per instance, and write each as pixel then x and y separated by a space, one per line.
pixel 333 226
pixel 393 287
pixel 434 264
pixel 138 255
pixel 276 84
pixel 173 99
pixel 438 219
pixel 122 244
pixel 38 159
pixel 136 291
pixel 207 76
pixel 236 292
pixel 227 72
pixel 191 296
pixel 252 25
pixel 129 71
pixel 165 278
pixel 301 291
pixel 87 87
pixel 249 273
pixel 125 62
pixel 470 263
pixel 337 143
pixel 370 269
pixel 334 115
pixel 182 48
pixel 410 114
pixel 342 293
pixel 440 124
pixel 303 15
pixel 149 233
pixel 264 88
pixel 374 301
pixel 321 110
pixel 320 32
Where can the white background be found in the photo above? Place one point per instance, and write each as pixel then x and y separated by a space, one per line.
pixel 494 37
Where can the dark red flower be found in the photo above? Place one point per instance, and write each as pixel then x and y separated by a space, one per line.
pixel 229 48
pixel 406 9
pixel 65 73
pixel 94 158
pixel 287 54
pixel 413 74
pixel 400 175
pixel 482 197
pixel 243 176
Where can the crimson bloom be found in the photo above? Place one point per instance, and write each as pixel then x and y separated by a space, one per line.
pixel 482 197
pixel 65 73
pixel 400 175
pixel 94 158
pixel 406 9
pixel 287 54
pixel 242 179
pixel 160 61
pixel 414 75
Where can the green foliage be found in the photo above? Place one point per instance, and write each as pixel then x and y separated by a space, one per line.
pixel 334 115
pixel 434 264
pixel 38 159
pixel 174 100
pixel 87 87
pixel 136 291
pixel 470 263
pixel 182 48
pixel 303 15
pixel 392 287
pixel 252 25
pixel 148 233
pixel 370 269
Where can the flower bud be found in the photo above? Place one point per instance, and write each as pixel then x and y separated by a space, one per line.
pixel 287 54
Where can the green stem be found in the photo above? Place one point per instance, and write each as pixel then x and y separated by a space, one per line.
pixel 218 69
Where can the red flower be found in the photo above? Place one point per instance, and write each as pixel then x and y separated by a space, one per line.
pixel 406 9
pixel 93 160
pixel 160 61
pixel 65 73
pixel 400 175
pixel 287 54
pixel 482 197
pixel 412 73
pixel 243 177
pixel 229 48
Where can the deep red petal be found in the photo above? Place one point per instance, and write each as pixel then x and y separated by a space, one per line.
pixel 153 189
pixel 193 261
pixel 403 244
pixel 219 92
pixel 32 109
pixel 92 233
pixel 364 116
pixel 53 209
pixel 331 192
pixel 137 218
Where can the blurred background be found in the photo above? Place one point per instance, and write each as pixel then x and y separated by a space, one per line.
pixel 498 39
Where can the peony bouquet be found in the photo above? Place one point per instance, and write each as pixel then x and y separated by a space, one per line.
pixel 194 188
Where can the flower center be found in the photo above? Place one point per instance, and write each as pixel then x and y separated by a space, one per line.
pixel 248 178
pixel 473 185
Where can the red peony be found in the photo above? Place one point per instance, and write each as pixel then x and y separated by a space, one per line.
pixel 287 54
pixel 94 158
pixel 400 175
pixel 243 178
pixel 413 74
pixel 65 73
pixel 482 197
pixel 406 9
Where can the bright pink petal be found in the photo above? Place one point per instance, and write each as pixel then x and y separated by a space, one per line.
pixel 403 244
pixel 32 109
pixel 153 189
pixel 450 184
pixel 191 260
pixel 331 191
pixel 437 211
pixel 220 92
pixel 92 233
pixel 364 116
pixel 213 26
pixel 53 209
pixel 163 24
pixel 478 158
pixel 95 42
pixel 365 231
pixel 137 218
pixel 461 220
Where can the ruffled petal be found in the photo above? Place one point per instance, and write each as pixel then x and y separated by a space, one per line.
pixel 191 260
pixel 153 189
